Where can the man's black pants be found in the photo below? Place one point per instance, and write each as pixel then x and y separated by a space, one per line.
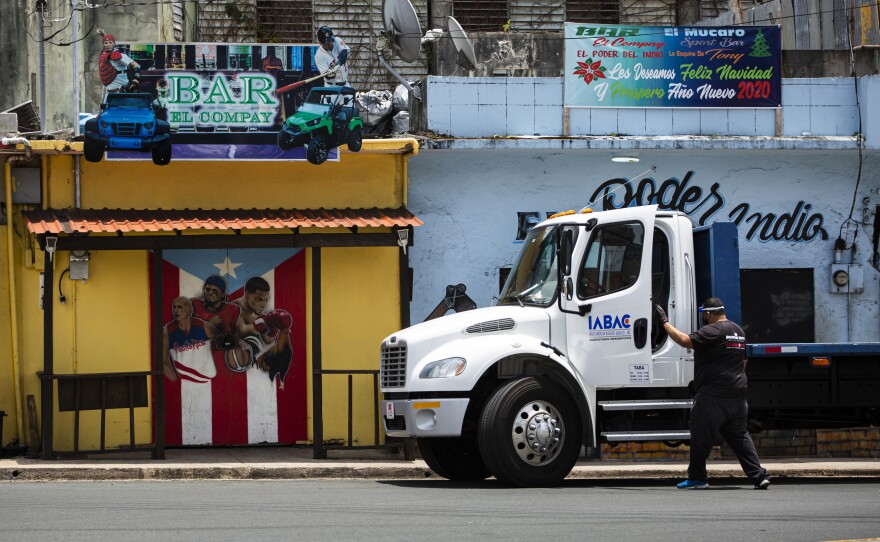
pixel 714 418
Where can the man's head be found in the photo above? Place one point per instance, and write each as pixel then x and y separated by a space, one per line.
pixel 109 42
pixel 214 290
pixel 181 309
pixel 256 294
pixel 712 309
pixel 162 89
pixel 325 37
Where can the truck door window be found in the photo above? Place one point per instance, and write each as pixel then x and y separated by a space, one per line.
pixel 612 260
pixel 660 279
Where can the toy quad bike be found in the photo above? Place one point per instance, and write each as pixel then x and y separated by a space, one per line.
pixel 328 118
pixel 127 121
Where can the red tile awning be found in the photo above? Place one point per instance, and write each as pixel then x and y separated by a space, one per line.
pixel 121 221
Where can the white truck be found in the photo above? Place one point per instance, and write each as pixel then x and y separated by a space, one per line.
pixel 573 354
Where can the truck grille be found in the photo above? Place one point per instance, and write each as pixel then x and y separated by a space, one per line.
pixel 397 423
pixel 392 371
pixel 127 128
pixel 491 325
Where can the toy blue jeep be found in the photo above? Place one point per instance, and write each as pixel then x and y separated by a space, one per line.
pixel 127 122
pixel 328 118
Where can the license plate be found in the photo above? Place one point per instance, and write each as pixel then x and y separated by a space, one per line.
pixel 389 410
pixel 124 143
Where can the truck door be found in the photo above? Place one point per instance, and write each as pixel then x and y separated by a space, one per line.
pixel 607 303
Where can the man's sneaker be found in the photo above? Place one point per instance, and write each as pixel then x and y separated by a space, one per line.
pixel 763 484
pixel 693 484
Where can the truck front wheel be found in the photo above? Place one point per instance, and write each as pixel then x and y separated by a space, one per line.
pixel 93 151
pixel 454 458
pixel 317 151
pixel 530 433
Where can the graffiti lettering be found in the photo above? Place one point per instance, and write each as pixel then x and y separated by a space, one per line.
pixel 802 224
pixel 798 225
pixel 672 194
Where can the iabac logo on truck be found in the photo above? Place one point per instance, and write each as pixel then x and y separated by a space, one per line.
pixel 609 327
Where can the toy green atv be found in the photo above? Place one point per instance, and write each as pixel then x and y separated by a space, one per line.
pixel 328 118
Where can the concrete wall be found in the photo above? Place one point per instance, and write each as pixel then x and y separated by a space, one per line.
pixel 486 107
pixel 470 200
pixel 14 46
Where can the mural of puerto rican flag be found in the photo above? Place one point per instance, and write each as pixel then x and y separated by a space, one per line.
pixel 238 408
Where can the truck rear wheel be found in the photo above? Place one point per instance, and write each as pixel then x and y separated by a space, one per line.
pixel 530 433
pixel 454 458
pixel 355 139
pixel 162 153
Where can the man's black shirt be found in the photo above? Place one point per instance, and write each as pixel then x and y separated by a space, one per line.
pixel 719 360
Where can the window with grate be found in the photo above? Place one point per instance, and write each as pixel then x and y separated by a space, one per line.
pixel 592 11
pixel 285 21
pixel 481 15
pixel 225 21
pixel 263 21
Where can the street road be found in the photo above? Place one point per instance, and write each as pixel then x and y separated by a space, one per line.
pixel 368 510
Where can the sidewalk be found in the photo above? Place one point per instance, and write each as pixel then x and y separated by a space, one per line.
pixel 286 463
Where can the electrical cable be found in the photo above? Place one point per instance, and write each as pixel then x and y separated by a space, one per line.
pixel 61 297
pixel 477 28
pixel 840 244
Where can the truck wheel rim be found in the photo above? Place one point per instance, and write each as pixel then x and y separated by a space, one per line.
pixel 538 433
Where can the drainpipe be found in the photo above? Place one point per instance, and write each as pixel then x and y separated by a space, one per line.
pixel 13 301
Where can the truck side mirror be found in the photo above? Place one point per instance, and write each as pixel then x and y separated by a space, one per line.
pixel 563 252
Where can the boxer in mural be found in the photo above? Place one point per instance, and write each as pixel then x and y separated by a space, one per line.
pixel 118 72
pixel 267 333
pixel 213 307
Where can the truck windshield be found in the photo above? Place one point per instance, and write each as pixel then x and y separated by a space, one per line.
pixel 122 100
pixel 533 278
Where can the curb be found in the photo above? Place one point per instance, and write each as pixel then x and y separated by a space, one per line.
pixel 39 473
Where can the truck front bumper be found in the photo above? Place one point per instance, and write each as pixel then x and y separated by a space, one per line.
pixel 423 417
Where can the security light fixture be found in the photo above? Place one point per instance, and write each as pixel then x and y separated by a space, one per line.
pixel 403 238
pixel 51 243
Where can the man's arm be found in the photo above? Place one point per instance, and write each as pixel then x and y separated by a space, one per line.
pixel 168 367
pixel 679 337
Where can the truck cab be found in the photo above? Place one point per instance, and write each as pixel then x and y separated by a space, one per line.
pixel 572 355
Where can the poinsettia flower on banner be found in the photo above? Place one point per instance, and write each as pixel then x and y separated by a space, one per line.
pixel 590 70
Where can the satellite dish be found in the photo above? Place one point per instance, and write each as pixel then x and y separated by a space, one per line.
pixel 402 35
pixel 402 23
pixel 467 59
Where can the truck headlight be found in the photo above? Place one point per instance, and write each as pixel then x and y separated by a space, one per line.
pixel 314 122
pixel 104 124
pixel 443 368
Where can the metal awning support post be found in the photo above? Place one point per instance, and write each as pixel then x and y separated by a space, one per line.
pixel 159 362
pixel 317 376
pixel 47 393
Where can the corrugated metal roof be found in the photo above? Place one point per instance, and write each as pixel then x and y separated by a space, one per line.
pixel 169 220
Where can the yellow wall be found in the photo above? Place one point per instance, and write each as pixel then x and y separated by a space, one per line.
pixel 104 326
pixel 360 306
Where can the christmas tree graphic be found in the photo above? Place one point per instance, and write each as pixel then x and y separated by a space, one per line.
pixel 759 48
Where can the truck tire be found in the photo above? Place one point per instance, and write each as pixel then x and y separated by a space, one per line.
pixel 317 151
pixel 93 151
pixel 285 140
pixel 454 458
pixel 530 433
pixel 355 139
pixel 162 152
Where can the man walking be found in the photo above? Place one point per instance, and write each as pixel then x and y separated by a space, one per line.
pixel 720 408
